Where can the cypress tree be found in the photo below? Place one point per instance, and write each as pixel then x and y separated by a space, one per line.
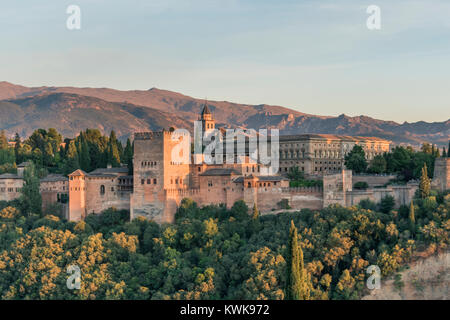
pixel 255 214
pixel 72 162
pixel 31 199
pixel 113 150
pixel 305 284
pixel 128 156
pixel 448 149
pixel 444 153
pixel 297 286
pixel 412 218
pixel 85 158
pixel 436 152
pixel 424 185
pixel 3 140
pixel 17 148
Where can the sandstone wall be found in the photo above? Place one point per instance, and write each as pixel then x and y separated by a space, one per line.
pixel 373 180
pixel 441 176
pixel 10 189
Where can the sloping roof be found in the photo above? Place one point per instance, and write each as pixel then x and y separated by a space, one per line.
pixel 78 172
pixel 272 178
pixel 329 137
pixel 109 170
pixel 261 178
pixel 24 164
pixel 54 178
pixel 206 110
pixel 9 176
pixel 102 175
pixel 219 172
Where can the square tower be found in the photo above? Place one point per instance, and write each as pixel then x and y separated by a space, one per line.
pixel 77 195
pixel 441 175
pixel 157 175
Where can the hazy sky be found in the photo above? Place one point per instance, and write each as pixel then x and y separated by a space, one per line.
pixel 313 56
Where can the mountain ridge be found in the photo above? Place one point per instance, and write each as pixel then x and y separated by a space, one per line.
pixel 155 108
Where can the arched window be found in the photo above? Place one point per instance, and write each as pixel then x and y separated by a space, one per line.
pixel 102 189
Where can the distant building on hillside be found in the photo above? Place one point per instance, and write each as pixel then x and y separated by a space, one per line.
pixel 11 184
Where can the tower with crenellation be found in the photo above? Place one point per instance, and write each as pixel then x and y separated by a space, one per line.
pixel 158 174
pixel 77 195
pixel 441 175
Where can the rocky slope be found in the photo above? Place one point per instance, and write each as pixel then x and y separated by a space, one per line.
pixel 426 279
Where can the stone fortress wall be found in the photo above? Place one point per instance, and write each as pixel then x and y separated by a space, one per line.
pixel 159 183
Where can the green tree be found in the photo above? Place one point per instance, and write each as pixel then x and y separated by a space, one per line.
pixel 85 158
pixel 113 150
pixel 72 162
pixel 425 184
pixel 295 174
pixel 31 197
pixel 255 213
pixel 427 148
pixel 448 149
pixel 412 219
pixel 387 204
pixel 128 156
pixel 17 146
pixel 3 140
pixel 378 164
pixel 297 287
pixel 356 160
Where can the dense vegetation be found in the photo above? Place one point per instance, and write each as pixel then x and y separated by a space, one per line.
pixel 214 252
pixel 210 252
pixel 406 163
pixel 51 154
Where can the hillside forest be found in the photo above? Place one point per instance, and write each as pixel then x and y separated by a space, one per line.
pixel 210 252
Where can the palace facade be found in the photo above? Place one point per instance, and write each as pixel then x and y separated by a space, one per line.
pixel 158 184
pixel 320 154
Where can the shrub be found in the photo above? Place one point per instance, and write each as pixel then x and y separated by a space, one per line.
pixel 284 204
pixel 368 204
pixel 387 204
pixel 360 185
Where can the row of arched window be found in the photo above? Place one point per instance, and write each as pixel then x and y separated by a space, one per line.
pixel 149 181
pixel 292 154
pixel 150 164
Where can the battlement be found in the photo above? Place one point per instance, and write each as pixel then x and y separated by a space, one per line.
pixel 150 135
pixel 182 192
pixel 315 189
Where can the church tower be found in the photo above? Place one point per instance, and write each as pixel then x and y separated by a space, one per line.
pixel 208 123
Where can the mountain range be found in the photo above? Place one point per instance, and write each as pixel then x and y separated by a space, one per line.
pixel 70 110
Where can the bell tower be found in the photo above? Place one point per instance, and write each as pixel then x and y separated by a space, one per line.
pixel 208 123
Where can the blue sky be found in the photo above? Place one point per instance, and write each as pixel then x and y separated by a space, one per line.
pixel 313 56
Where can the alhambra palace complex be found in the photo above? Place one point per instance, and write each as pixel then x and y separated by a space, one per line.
pixel 158 184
